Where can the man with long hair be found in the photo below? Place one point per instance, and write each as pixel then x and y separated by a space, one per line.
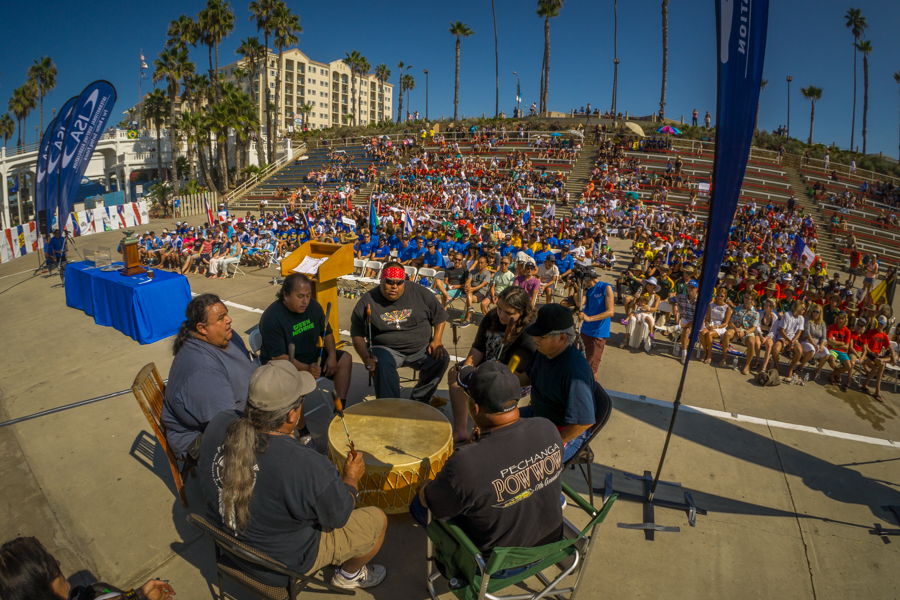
pixel 282 498
pixel 210 373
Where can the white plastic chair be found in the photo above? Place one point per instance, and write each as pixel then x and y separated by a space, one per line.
pixel 255 341
pixel 237 265
pixel 411 273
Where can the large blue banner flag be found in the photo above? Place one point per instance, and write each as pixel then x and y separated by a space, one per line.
pixel 50 189
pixel 740 52
pixel 83 131
pixel 40 180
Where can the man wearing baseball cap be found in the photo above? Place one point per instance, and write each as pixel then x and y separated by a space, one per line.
pixel 561 380
pixel 489 486
pixel 281 497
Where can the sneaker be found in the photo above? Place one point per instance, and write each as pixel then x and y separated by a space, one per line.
pixel 368 576
pixel 464 324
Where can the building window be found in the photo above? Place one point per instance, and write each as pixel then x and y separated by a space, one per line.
pixel 289 65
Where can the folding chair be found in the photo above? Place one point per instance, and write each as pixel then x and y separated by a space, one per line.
pixel 427 274
pixel 150 392
pixel 442 275
pixel 584 457
pixel 228 547
pixel 469 571
pixel 359 270
pixel 411 273
pixel 237 265
pixel 255 341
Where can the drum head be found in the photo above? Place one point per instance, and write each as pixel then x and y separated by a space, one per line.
pixel 391 433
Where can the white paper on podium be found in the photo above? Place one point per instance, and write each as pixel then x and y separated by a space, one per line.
pixel 309 265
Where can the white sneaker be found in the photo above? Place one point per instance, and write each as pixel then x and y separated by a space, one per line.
pixel 368 576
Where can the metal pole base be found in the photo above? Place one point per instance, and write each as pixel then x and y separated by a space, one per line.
pixel 884 533
pixel 649 525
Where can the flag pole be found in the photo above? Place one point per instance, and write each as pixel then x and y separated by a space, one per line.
pixel 140 91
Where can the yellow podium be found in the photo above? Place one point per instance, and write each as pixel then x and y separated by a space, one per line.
pixel 339 262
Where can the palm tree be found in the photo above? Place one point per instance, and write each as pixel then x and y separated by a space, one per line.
pixel 43 73
pixel 857 25
pixel 401 66
pixel 665 65
pixel 896 78
pixel 547 9
pixel 286 26
pixel 7 127
pixel 615 89
pixel 252 52
pixel 216 22
pixel 865 46
pixel 459 29
pixel 156 107
pixel 496 65
pixel 762 86
pixel 262 11
pixel 382 74
pixel 173 66
pixel 813 94
pixel 409 83
pixel 182 33
pixel 23 101
pixel 353 59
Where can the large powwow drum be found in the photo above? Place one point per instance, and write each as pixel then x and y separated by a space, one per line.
pixel 403 443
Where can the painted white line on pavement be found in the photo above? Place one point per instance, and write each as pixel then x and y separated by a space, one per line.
pixel 727 416
pixel 718 414
pixel 19 273
pixel 236 305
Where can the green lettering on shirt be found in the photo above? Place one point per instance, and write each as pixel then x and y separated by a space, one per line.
pixel 303 326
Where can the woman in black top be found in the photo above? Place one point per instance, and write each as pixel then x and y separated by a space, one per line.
pixel 501 336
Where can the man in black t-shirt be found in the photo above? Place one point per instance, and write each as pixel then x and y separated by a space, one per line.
pixel 406 328
pixel 297 318
pixel 454 281
pixel 503 489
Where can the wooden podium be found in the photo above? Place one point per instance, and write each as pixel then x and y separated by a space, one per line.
pixel 324 283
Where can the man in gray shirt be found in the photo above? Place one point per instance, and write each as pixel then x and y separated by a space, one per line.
pixel 476 288
pixel 211 373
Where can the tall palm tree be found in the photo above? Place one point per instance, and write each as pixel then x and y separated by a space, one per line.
pixel 22 102
pixel 362 70
pixel 401 66
pixel 253 52
pixel 665 65
pixel 857 25
pixel 547 9
pixel 183 32
pixel 43 73
pixel 409 83
pixel 496 64
pixel 185 124
pixel 7 127
pixel 286 27
pixel 460 30
pixel 156 107
pixel 216 22
pixel 762 85
pixel 813 94
pixel 896 78
pixel 263 11
pixel 382 74
pixel 865 46
pixel 173 66
pixel 353 59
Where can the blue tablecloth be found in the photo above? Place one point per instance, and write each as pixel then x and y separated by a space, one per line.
pixel 145 309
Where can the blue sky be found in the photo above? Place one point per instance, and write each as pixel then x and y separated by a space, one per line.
pixel 807 40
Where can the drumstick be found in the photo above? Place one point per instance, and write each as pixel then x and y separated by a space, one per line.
pixel 325 329
pixel 514 362
pixel 455 340
pixel 339 406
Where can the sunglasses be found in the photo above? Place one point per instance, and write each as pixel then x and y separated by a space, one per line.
pixel 393 282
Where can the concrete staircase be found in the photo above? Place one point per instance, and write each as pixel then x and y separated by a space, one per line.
pixel 828 243
pixel 578 178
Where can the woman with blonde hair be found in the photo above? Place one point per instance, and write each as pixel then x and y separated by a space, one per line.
pixel 813 340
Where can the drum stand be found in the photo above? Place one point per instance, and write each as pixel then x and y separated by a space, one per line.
pixel 884 533
pixel 649 525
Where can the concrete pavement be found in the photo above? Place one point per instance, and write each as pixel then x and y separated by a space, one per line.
pixel 789 510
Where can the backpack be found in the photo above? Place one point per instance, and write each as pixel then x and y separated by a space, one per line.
pixel 769 378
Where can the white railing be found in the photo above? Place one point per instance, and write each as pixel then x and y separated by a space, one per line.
pixel 194 204
pixel 450 136
pixel 264 174
pixel 818 165
pixel 146 156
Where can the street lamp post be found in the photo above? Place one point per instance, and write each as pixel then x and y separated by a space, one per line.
pixel 789 79
pixel 426 93
pixel 518 97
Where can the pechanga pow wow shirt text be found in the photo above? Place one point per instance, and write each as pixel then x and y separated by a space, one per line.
pixel 504 489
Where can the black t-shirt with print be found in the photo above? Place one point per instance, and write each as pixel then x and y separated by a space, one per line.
pixel 456 276
pixel 489 341
pixel 504 489
pixel 297 493
pixel 405 325
pixel 280 326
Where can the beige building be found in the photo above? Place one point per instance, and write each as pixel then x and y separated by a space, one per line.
pixel 324 86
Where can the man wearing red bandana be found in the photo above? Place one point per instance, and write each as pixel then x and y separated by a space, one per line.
pixel 406 328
